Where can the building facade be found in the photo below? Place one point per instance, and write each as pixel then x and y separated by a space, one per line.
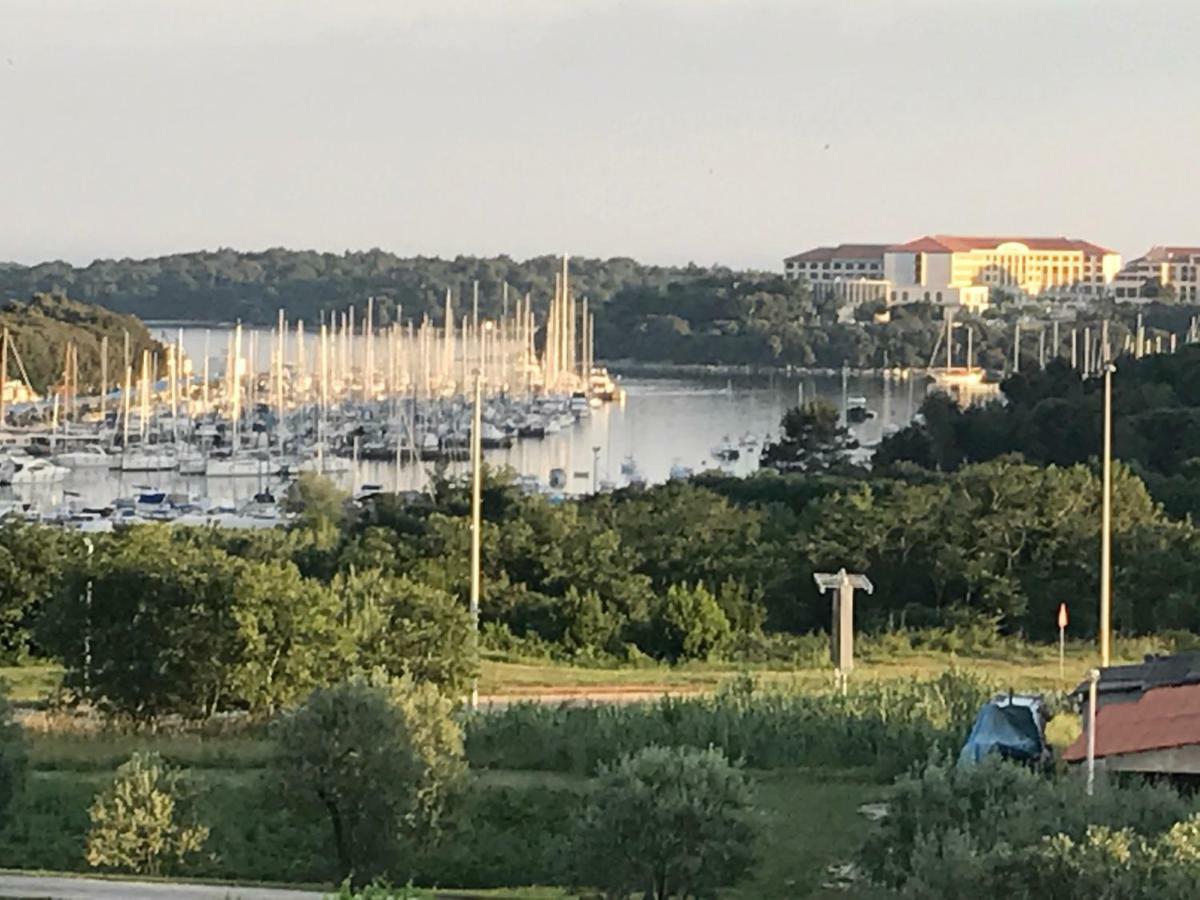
pixel 952 270
pixel 824 267
pixel 1162 271
pixel 965 270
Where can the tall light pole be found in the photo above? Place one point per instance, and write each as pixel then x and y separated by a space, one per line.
pixel 476 519
pixel 1106 526
pixel 87 635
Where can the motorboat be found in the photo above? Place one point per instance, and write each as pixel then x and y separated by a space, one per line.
pixel 856 410
pixel 88 456
pixel 726 451
pixel 148 459
pixel 24 470
pixel 236 465
pixel 192 461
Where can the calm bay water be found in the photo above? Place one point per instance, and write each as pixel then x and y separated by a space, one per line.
pixel 665 422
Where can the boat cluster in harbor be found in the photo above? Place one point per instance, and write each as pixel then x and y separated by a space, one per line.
pixel 395 391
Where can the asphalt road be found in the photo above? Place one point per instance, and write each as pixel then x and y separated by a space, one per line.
pixel 57 888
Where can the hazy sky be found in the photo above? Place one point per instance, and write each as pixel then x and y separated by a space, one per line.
pixel 710 130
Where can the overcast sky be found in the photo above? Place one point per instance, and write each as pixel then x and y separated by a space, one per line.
pixel 709 130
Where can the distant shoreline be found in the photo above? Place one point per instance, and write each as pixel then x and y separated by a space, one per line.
pixel 629 366
pixel 650 369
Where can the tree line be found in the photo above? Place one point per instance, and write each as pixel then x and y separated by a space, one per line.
pixel 707 315
pixel 1053 417
pixel 158 620
pixel 41 327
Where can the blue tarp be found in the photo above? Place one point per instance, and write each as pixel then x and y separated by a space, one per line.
pixel 1012 730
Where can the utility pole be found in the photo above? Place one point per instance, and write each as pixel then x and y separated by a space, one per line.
pixel 843 585
pixel 1093 683
pixel 595 470
pixel 476 519
pixel 1106 524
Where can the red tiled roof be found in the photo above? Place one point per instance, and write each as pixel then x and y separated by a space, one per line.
pixel 841 251
pixel 948 243
pixel 1163 254
pixel 1161 718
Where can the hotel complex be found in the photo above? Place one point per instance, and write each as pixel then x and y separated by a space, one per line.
pixel 960 271
pixel 1163 271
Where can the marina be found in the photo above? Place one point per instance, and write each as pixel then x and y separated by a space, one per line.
pixel 217 428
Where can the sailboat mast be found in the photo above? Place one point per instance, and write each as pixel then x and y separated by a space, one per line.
pixel 4 377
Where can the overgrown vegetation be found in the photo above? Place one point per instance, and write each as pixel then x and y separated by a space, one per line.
pixel 999 830
pixel 885 727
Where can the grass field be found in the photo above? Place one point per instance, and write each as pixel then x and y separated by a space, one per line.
pixel 1027 667
pixel 811 817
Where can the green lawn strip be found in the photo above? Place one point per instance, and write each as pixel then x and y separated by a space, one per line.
pixel 1027 667
pixel 811 821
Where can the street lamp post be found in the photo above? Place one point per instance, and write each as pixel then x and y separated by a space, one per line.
pixel 476 519
pixel 87 635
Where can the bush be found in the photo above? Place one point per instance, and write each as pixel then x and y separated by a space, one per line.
pixel 141 822
pixel 689 624
pixel 944 817
pixel 672 822
pixel 377 759
pixel 12 753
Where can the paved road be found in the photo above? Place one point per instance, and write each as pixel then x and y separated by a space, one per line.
pixel 57 888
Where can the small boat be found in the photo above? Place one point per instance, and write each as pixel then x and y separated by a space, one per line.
pixel 726 451
pixel 856 410
pixel 680 472
pixel 31 470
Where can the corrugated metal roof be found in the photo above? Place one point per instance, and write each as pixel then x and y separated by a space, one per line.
pixel 1161 718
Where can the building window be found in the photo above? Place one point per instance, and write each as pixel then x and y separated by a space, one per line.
pixel 927 296
pixel 939 296
pixel 893 296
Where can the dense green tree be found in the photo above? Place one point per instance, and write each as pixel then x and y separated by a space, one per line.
pixel 688 624
pixel 376 760
pixel 812 439
pixel 667 822
pixel 32 559
pixel 404 627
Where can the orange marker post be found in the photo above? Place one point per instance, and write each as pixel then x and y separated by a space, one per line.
pixel 1062 642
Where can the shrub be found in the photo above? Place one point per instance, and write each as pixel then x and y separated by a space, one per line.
pixel 689 624
pixel 938 818
pixel 12 753
pixel 377 759
pixel 141 822
pixel 672 822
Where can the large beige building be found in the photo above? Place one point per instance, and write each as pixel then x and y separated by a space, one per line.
pixel 967 269
pixel 952 270
pixel 1162 270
